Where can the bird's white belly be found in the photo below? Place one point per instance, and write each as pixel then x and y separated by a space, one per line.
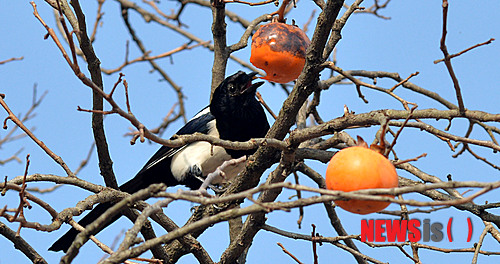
pixel 207 158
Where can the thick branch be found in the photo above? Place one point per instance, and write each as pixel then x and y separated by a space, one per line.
pixel 94 67
pixel 21 244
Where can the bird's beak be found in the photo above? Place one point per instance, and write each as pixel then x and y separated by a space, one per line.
pixel 253 75
pixel 252 87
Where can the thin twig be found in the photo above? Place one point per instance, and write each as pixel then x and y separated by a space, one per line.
pixel 288 253
pixel 403 81
pixel 466 50
pixel 447 59
pixel 250 3
pixel 313 235
pixel 479 244
pixel 261 100
pixel 11 59
pixel 28 132
pixel 146 57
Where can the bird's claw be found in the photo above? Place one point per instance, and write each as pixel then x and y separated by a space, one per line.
pixel 218 190
pixel 196 172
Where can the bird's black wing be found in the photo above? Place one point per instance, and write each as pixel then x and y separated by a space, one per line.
pixel 198 124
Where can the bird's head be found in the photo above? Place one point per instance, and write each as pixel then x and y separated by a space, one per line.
pixel 238 114
pixel 238 85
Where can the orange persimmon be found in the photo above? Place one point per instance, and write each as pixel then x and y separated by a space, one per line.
pixel 279 49
pixel 357 168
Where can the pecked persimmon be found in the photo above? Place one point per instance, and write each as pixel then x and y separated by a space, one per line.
pixel 279 49
pixel 356 168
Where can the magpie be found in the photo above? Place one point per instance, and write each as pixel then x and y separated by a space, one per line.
pixel 233 114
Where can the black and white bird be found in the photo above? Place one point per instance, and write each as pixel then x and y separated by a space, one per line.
pixel 233 114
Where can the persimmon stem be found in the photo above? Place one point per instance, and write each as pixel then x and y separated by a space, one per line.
pixel 281 11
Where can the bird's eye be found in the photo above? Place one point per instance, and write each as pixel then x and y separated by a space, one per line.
pixel 231 87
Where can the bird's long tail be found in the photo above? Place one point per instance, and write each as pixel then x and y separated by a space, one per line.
pixel 140 181
pixel 64 242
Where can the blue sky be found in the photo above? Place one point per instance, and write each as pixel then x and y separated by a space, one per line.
pixel 406 43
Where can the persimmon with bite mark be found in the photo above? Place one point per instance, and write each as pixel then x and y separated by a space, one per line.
pixel 356 168
pixel 279 49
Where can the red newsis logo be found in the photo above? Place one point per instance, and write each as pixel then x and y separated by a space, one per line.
pixel 413 230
